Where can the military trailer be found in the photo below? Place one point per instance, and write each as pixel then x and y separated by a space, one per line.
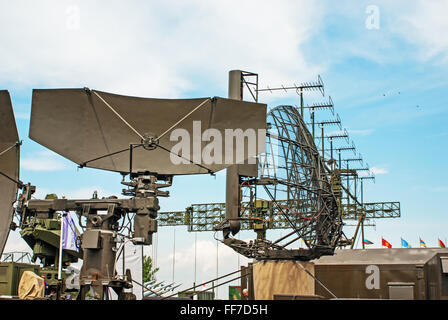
pixel 412 274
pixel 10 275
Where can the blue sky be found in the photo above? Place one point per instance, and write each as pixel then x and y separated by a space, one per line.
pixel 388 85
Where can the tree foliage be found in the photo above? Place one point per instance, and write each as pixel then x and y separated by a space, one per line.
pixel 148 270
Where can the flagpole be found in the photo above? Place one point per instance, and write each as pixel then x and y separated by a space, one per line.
pixel 195 247
pixel 60 247
pixel 362 214
pixel 174 249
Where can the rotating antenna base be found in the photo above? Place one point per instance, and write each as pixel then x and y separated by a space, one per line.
pixel 228 227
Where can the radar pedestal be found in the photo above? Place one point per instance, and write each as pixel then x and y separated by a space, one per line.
pixel 100 238
pixel 101 223
pixel 145 190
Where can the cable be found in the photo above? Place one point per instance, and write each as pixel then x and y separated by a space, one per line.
pixel 192 162
pixel 182 119
pixel 318 281
pixel 204 283
pixel 17 144
pixel 18 182
pixel 118 115
pixel 119 251
pixel 218 285
pixel 133 129
pixel 107 155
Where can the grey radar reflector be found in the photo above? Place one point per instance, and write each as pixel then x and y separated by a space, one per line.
pixel 9 165
pixel 95 129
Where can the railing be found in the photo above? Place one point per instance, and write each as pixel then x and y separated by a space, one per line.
pixel 18 256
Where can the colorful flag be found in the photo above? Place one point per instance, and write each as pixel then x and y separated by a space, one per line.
pixel 367 241
pixel 441 244
pixel 405 244
pixel 384 243
pixel 69 235
pixel 422 243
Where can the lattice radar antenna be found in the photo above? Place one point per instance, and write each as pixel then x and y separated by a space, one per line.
pixel 292 177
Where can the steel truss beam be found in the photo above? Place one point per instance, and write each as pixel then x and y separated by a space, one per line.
pixel 204 217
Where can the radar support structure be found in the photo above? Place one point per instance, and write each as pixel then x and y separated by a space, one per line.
pixel 101 217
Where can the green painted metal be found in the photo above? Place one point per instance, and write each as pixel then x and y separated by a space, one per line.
pixel 42 235
pixel 204 217
pixel 10 274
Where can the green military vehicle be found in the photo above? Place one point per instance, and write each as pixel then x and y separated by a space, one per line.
pixel 43 237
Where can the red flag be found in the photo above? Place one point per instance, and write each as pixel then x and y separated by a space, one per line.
pixel 384 243
pixel 441 244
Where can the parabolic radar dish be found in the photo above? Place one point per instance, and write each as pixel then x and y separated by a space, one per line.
pixel 95 129
pixel 302 182
pixel 294 180
pixel 9 165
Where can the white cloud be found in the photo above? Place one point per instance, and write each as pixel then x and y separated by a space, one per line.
pixel 205 257
pixel 22 115
pixel 15 243
pixel 334 133
pixel 154 48
pixel 442 189
pixel 424 24
pixel 361 132
pixel 43 161
pixel 377 170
